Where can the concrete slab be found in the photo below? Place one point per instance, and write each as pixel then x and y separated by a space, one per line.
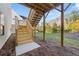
pixel 26 48
pixel 2 41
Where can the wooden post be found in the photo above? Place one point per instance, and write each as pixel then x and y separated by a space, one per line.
pixel 62 25
pixel 34 31
pixel 44 27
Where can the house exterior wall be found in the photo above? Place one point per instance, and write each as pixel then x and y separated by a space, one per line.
pixel 1 19
pixel 5 9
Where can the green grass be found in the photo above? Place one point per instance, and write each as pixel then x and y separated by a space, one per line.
pixel 57 37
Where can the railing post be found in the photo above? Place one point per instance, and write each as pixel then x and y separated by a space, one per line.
pixel 16 22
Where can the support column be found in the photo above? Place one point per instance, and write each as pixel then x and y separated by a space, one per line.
pixel 44 27
pixel 34 31
pixel 62 25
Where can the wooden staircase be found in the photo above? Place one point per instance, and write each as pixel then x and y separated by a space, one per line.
pixel 34 17
pixel 23 34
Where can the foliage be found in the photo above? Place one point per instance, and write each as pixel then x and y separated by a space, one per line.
pixel 54 28
pixel 48 28
pixel 73 16
pixel 71 24
pixel 74 26
pixel 41 29
pixel 72 21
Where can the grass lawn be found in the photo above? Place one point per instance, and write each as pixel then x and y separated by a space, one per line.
pixel 57 37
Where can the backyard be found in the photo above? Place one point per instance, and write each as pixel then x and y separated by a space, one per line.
pixel 70 39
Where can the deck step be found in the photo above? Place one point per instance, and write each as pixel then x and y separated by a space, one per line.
pixel 23 38
pixel 23 35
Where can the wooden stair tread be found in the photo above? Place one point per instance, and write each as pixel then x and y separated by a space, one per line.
pixel 22 32
pixel 22 42
pixel 24 37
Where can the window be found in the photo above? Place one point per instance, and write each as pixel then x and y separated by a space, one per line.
pixel 1 24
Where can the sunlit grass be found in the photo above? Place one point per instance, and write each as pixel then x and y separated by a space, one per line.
pixel 57 37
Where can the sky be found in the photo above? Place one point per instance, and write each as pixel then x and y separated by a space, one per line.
pixel 24 11
pixel 20 9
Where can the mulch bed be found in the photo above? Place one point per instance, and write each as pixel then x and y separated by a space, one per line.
pixel 9 48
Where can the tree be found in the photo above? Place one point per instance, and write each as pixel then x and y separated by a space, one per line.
pixel 74 26
pixel 73 16
pixel 54 28
pixel 48 28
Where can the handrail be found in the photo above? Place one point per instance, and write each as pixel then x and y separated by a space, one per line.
pixel 30 24
pixel 16 23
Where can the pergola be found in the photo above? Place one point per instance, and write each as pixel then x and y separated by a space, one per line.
pixel 42 9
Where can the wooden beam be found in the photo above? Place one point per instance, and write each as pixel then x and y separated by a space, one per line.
pixel 45 6
pixel 47 13
pixel 35 7
pixel 67 7
pixel 44 29
pixel 41 6
pixel 62 25
pixel 55 7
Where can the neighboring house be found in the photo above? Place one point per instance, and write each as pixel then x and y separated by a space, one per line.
pixel 5 10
